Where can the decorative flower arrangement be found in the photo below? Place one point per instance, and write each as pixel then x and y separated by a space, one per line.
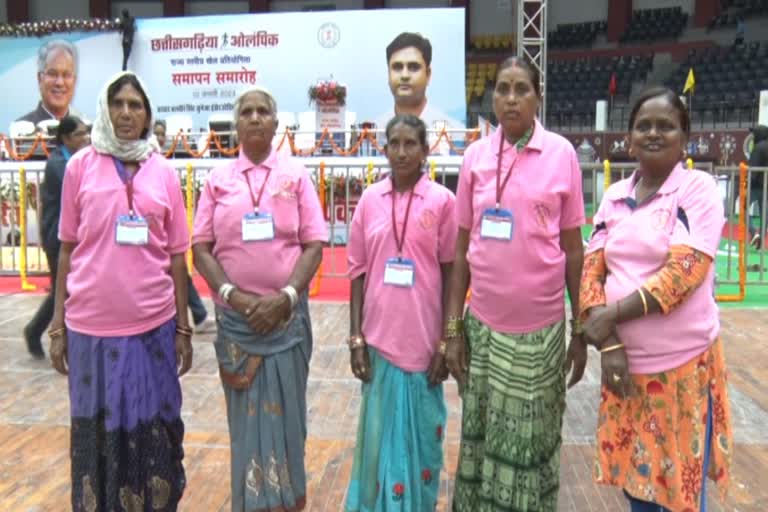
pixel 337 185
pixel 198 182
pixel 43 28
pixel 328 90
pixel 9 192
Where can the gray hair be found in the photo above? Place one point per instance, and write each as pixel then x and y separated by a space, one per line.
pixel 256 88
pixel 48 48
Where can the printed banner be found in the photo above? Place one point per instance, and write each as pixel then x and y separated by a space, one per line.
pixel 43 78
pixel 194 66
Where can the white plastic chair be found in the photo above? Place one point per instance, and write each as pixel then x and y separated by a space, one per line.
pixel 176 123
pixel 19 129
pixel 221 123
pixel 307 124
pixel 47 125
pixel 350 118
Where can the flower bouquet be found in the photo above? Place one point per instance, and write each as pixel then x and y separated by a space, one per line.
pixel 328 91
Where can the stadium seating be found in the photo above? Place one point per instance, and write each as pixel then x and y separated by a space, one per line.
pixel 573 35
pixel 728 81
pixel 655 25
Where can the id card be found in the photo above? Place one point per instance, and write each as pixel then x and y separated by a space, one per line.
pixel 496 223
pixel 132 230
pixel 399 272
pixel 258 227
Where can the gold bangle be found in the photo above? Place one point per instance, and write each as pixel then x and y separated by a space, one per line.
pixel 645 302
pixel 454 326
pixel 576 327
pixel 455 322
pixel 356 341
pixel 617 346
pixel 56 333
pixel 450 334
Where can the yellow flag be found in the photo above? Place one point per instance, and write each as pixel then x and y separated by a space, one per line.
pixel 690 82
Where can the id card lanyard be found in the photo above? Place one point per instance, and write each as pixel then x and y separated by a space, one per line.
pixel 400 240
pixel 257 199
pixel 500 187
pixel 400 271
pixel 498 223
pixel 127 180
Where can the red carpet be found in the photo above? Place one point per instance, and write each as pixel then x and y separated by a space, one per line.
pixel 331 288
pixel 731 232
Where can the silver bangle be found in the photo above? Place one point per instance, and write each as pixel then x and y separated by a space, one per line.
pixel 225 291
pixel 292 294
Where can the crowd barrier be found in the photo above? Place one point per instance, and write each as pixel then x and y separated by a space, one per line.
pixel 341 180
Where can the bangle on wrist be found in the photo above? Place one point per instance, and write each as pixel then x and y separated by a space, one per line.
pixel 645 302
pixel 225 291
pixel 577 328
pixel 442 347
pixel 57 333
pixel 292 294
pixel 356 341
pixel 611 348
pixel 183 330
pixel 454 326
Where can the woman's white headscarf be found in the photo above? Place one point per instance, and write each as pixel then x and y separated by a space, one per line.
pixel 103 136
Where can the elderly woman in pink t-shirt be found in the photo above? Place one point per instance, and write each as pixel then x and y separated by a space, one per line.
pixel 520 209
pixel 647 295
pixel 258 241
pixel 401 244
pixel 120 325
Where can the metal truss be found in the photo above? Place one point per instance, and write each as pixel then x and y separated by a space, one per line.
pixel 532 41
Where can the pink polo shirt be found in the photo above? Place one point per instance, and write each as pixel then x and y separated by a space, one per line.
pixel 120 290
pixel 404 324
pixel 260 267
pixel 687 210
pixel 518 286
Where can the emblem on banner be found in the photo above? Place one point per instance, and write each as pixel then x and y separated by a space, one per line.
pixel 328 35
pixel 749 145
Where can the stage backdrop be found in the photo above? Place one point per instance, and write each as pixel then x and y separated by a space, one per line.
pixel 196 65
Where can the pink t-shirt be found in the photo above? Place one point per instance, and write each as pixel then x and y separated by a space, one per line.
pixel 120 290
pixel 404 324
pixel 260 267
pixel 687 210
pixel 518 286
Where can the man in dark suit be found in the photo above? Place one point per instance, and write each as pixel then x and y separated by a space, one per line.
pixel 56 78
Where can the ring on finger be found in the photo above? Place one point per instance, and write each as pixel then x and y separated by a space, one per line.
pixel 616 377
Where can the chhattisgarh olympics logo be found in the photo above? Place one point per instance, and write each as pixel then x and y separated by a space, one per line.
pixel 328 35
